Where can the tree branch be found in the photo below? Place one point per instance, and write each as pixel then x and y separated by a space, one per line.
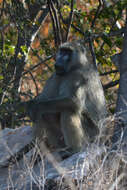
pixel 37 91
pixel 110 84
pixel 121 105
pixel 70 19
pixel 108 73
pixel 96 14
pixel 55 22
pixel 35 66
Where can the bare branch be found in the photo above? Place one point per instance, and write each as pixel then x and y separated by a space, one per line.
pixel 35 66
pixel 37 91
pixel 108 73
pixel 58 9
pixel 96 14
pixel 2 43
pixel 70 19
pixel 92 50
pixel 112 33
pixel 90 36
pixel 78 29
pixel 43 61
pixel 55 22
pixel 2 28
pixel 35 28
pixel 2 8
pixel 110 84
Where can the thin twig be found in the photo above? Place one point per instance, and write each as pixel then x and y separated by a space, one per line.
pixel 92 50
pixel 53 22
pixel 2 8
pixel 95 35
pixel 60 15
pixel 96 14
pixel 2 43
pixel 113 23
pixel 78 29
pixel 110 84
pixel 44 60
pixel 108 73
pixel 35 66
pixel 35 28
pixel 62 19
pixel 37 91
pixel 70 19
pixel 90 36
pixel 57 23
pixel 110 34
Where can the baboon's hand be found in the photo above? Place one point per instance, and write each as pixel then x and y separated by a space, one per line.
pixel 31 110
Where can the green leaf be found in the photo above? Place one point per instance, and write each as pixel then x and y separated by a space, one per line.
pixel 1 77
pixel 24 49
pixel 107 40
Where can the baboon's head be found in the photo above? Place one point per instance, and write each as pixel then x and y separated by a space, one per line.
pixel 70 56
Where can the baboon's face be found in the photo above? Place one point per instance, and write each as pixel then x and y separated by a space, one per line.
pixel 69 56
pixel 63 60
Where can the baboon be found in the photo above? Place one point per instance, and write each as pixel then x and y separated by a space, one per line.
pixel 72 101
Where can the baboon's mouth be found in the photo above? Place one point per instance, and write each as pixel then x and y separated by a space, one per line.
pixel 59 69
pixel 60 72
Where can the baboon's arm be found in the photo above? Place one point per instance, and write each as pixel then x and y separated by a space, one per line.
pixel 54 105
pixel 36 107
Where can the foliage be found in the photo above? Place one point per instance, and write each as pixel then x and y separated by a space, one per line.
pixel 29 38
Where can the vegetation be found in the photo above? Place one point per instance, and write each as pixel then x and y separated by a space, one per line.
pixel 30 33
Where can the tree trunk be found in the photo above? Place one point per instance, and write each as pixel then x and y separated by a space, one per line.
pixel 121 106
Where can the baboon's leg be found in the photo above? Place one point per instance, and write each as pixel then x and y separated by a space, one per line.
pixel 89 127
pixel 74 135
pixel 45 129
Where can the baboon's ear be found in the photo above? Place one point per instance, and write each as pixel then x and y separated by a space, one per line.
pixel 116 60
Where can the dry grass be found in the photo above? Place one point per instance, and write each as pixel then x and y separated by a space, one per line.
pixel 98 168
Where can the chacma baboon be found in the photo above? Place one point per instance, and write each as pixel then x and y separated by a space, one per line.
pixel 72 101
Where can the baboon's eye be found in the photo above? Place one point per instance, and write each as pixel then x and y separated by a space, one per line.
pixel 66 51
pixel 64 54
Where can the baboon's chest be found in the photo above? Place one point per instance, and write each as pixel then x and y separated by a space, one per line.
pixel 64 89
pixel 52 118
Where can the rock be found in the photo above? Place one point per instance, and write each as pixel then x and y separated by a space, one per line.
pixel 25 174
pixel 12 140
